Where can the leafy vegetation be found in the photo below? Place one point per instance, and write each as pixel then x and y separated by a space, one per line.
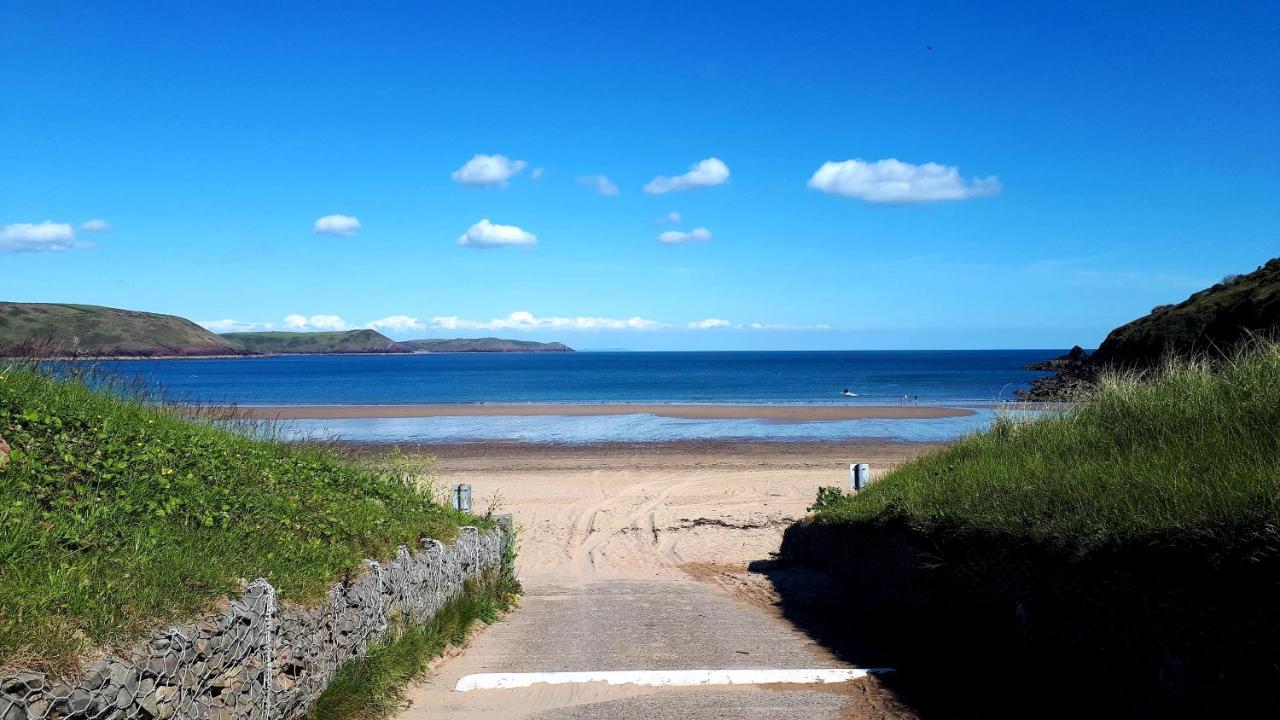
pixel 344 341
pixel 1192 450
pixel 117 515
pixel 372 686
pixel 102 331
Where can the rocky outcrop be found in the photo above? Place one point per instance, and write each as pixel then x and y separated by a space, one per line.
pixel 1074 376
pixel 258 658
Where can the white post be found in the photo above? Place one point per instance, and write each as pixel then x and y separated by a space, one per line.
pixel 859 476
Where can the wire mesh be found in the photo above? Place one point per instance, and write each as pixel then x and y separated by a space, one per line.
pixel 256 659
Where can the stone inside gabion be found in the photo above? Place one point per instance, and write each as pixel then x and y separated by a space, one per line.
pixel 257 659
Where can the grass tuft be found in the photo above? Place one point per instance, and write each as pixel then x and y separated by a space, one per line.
pixel 118 515
pixel 1193 450
pixel 373 686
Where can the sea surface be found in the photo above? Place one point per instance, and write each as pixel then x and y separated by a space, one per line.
pixel 971 377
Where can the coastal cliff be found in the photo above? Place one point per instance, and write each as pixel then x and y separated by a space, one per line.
pixel 1212 323
pixel 57 329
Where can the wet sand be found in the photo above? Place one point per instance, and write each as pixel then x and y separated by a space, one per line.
pixel 781 413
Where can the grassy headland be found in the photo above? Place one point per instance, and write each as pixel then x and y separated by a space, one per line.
pixel 117 516
pixel 92 330
pixel 464 345
pixel 314 343
pixel 1214 321
pixel 1213 324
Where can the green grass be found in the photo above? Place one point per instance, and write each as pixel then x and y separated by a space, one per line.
pixel 1194 450
pixel 117 516
pixel 372 686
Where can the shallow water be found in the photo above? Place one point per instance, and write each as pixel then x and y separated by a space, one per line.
pixel 627 428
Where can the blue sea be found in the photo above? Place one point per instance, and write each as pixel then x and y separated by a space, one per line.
pixel 976 377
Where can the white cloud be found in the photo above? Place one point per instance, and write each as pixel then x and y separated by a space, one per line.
pixel 46 236
pixel 397 323
pixel 522 320
pixel 229 325
pixel 779 326
pixel 488 170
pixel 340 225
pixel 671 218
pixel 894 181
pixel 705 173
pixel 672 237
pixel 709 324
pixel 95 226
pixel 600 183
pixel 536 173
pixel 485 234
pixel 315 322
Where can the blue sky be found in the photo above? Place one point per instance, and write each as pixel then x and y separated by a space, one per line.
pixel 1089 161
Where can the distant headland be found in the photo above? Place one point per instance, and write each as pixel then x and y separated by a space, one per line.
pixel 58 330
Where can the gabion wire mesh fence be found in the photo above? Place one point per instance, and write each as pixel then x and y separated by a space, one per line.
pixel 257 659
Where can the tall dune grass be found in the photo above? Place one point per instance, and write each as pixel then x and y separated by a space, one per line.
pixel 1194 449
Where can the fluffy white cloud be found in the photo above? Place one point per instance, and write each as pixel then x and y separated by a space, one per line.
pixel 485 234
pixel 600 183
pixel 522 320
pixel 488 170
pixel 46 236
pixel 95 226
pixel 671 218
pixel 709 324
pixel 779 326
pixel 705 173
pixel 315 322
pixel 894 181
pixel 340 225
pixel 397 323
pixel 672 237
pixel 229 325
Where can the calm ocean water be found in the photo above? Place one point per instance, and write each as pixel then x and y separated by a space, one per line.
pixel 878 377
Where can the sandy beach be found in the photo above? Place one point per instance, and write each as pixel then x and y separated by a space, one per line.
pixel 625 550
pixel 636 510
pixel 781 413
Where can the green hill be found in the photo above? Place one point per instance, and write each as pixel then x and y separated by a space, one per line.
pixel 1213 321
pixel 1212 324
pixel 459 345
pixel 92 330
pixel 317 343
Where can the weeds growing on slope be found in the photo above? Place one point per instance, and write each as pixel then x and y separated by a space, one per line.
pixel 372 686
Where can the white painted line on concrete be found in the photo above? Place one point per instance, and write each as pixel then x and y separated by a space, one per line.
pixel 660 678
